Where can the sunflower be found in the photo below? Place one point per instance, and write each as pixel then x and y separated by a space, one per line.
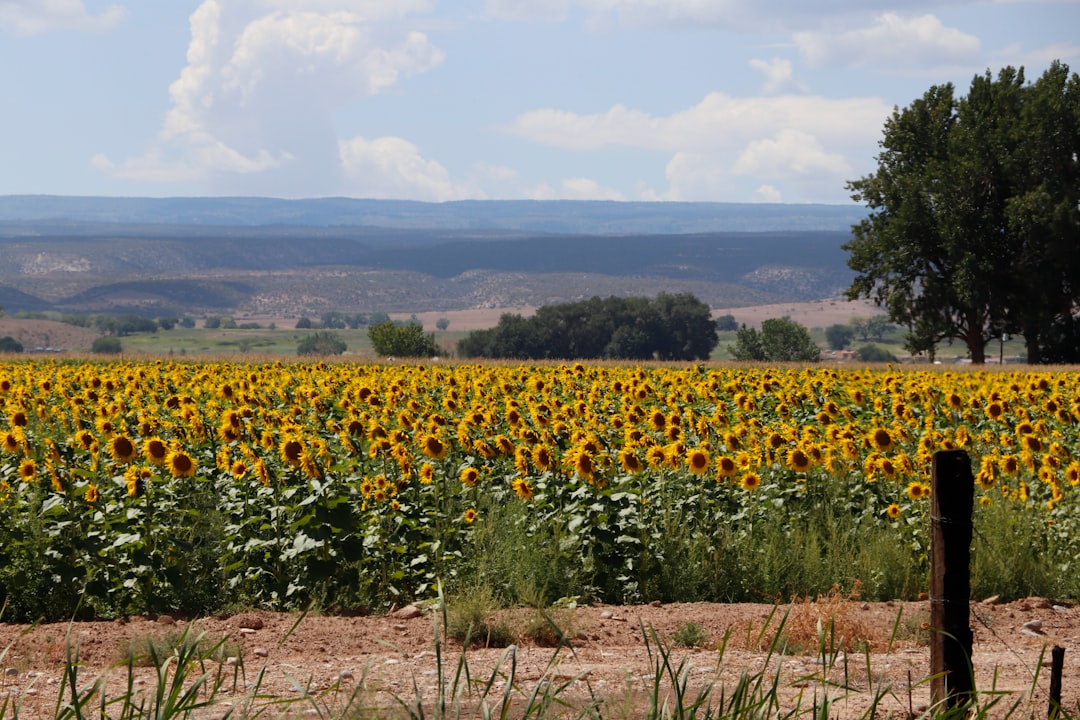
pixel 916 490
pixel 880 439
pixel 886 467
pixel 1072 473
pixel 1009 464
pixel 238 469
pixel 629 461
pixel 122 448
pixel 84 438
pixel 133 478
pixel 469 476
pixel 584 465
pixel 11 443
pixel 427 474
pixel 181 464
pixel 27 470
pixel 469 516
pixel 697 461
pixel 893 511
pixel 155 450
pixel 726 466
pixel 91 493
pixel 228 433
pixel 522 488
pixel 750 481
pixel 542 458
pixel 522 458
pixel 433 447
pixel 291 451
pixel 262 472
pixel 655 456
pixel 798 460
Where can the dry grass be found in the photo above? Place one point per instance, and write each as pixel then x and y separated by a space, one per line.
pixel 828 622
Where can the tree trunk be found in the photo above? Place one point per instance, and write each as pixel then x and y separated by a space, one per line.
pixel 1034 348
pixel 978 352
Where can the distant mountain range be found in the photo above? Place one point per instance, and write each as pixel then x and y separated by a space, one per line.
pixel 263 256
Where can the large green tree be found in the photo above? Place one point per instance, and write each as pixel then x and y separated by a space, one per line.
pixel 973 229
pixel 668 327
pixel 408 340
pixel 780 340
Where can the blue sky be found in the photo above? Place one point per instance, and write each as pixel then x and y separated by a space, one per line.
pixel 719 100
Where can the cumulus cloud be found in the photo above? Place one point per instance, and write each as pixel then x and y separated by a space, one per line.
pixel 891 40
pixel 768 194
pixel 252 109
pixel 779 76
pixel 33 17
pixel 390 167
pixel 787 138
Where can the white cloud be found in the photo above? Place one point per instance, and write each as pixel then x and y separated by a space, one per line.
pixel 252 109
pixel 795 138
pixel 390 167
pixel 789 153
pixel 718 121
pixel 33 17
pixel 779 75
pixel 891 41
pixel 768 194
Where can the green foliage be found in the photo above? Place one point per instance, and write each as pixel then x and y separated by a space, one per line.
pixel 875 353
pixel 974 208
pixel 726 323
pixel 780 340
pixel 839 336
pixel 321 343
pixel 871 328
pixel 106 345
pixel 690 635
pixel 669 327
pixel 409 340
pixel 9 344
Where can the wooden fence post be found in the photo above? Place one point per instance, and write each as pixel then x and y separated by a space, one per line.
pixel 952 501
pixel 1057 664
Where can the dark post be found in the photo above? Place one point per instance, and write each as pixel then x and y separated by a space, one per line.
pixel 952 501
pixel 1057 664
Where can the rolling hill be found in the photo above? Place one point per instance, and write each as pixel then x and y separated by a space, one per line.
pixel 258 256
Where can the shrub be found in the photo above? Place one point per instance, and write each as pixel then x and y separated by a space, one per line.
pixel 107 345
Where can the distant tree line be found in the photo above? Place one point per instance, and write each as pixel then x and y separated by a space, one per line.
pixel 118 325
pixel 334 320
pixel 669 327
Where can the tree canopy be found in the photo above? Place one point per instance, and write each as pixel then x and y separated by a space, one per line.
pixel 321 343
pixel 408 340
pixel 974 226
pixel 779 340
pixel 669 327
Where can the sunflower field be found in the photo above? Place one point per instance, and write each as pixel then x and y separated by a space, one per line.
pixel 146 486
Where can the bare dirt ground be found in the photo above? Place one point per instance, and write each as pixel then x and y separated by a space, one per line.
pixel 819 313
pixel 47 333
pixel 393 655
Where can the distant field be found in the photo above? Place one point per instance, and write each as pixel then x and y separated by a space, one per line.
pixel 278 337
